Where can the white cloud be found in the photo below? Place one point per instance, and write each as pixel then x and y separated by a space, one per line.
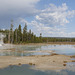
pixel 55 31
pixel 22 20
pixel 51 21
pixel 54 15
pixel 17 7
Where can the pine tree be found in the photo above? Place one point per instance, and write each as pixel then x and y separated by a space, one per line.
pixel 15 35
pixel 29 36
pixel 19 34
pixel 11 34
pixel 32 37
pixel 40 37
pixel 24 38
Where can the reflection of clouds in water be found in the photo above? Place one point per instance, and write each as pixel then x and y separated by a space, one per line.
pixel 27 47
pixel 63 73
pixel 40 53
pixel 60 49
pixel 71 66
pixel 57 47
pixel 63 47
pixel 54 72
pixel 57 73
pixel 27 70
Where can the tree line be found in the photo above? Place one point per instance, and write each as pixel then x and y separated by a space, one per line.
pixel 20 35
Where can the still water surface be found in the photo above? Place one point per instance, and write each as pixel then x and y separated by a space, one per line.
pixel 19 50
pixel 26 69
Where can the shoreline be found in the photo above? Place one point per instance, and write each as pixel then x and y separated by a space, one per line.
pixel 40 62
pixel 49 43
pixel 46 62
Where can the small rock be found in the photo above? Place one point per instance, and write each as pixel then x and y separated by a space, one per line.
pixel 72 56
pixel 30 64
pixel 65 61
pixel 10 65
pixel 19 64
pixel 53 54
pixel 53 61
pixel 33 64
pixel 73 60
pixel 64 64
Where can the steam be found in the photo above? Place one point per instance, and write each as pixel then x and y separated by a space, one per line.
pixel 1 38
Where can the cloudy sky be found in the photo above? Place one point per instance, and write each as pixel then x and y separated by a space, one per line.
pixel 52 18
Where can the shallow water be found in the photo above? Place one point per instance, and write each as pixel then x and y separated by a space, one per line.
pixel 26 70
pixel 19 50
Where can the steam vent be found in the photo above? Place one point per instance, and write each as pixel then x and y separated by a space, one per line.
pixel 1 38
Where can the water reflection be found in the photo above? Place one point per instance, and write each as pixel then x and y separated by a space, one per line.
pixel 26 70
pixel 71 66
pixel 19 50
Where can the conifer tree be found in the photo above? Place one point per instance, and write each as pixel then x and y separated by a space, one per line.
pixel 19 34
pixel 25 33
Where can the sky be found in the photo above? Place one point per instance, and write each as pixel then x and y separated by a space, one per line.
pixel 52 18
